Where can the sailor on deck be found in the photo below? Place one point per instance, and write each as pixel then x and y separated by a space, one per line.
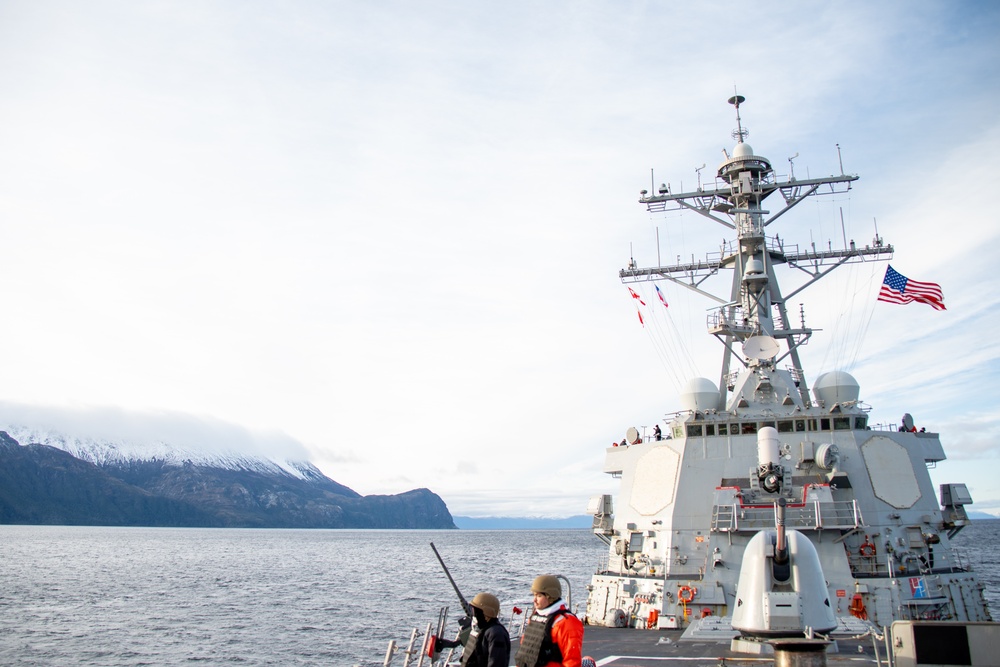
pixel 553 637
pixel 488 644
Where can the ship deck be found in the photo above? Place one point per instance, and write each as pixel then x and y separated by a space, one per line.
pixel 629 647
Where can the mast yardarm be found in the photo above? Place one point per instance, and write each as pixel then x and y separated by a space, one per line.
pixel 755 308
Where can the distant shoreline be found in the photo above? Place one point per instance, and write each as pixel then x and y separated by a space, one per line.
pixel 580 522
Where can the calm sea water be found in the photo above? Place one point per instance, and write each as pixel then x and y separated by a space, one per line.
pixel 162 596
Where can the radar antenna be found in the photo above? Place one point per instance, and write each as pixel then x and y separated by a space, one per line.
pixel 739 133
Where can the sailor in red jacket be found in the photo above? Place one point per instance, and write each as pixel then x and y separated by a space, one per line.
pixel 553 637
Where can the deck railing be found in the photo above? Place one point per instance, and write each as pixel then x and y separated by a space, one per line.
pixel 813 515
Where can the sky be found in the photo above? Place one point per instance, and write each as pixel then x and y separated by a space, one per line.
pixel 388 234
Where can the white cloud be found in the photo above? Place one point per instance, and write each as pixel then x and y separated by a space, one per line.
pixel 393 232
pixel 187 432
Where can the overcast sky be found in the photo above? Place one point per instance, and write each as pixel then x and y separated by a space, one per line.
pixel 390 231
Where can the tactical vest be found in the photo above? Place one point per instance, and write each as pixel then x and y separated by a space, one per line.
pixel 469 658
pixel 537 647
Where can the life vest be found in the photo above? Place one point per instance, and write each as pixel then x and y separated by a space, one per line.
pixel 537 647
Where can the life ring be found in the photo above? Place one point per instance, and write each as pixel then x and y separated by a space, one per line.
pixel 685 594
pixel 867 549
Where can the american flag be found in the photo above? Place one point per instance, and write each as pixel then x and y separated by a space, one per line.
pixel 897 288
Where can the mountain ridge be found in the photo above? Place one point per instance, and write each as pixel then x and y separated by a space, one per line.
pixel 104 451
pixel 35 489
pixel 45 483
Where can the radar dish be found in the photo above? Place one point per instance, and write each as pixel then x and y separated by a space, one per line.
pixel 761 347
pixel 632 435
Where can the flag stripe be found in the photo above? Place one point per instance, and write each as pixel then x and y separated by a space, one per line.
pixel 897 288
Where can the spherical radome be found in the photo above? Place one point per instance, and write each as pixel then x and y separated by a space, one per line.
pixel 836 387
pixel 700 394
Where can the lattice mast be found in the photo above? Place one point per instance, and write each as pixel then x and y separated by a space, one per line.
pixel 756 308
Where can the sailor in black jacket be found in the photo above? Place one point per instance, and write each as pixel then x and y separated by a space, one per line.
pixel 488 644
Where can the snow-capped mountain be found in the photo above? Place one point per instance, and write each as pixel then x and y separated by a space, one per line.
pixel 121 452
pixel 109 466
pixel 48 476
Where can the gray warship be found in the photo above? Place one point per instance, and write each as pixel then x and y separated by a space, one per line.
pixel 690 503
pixel 768 524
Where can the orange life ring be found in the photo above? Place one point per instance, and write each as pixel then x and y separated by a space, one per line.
pixel 867 549
pixel 685 594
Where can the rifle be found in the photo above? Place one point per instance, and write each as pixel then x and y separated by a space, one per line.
pixel 466 607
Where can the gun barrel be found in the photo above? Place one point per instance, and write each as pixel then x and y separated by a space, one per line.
pixel 780 547
pixel 466 607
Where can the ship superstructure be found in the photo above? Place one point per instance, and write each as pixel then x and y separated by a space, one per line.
pixel 690 503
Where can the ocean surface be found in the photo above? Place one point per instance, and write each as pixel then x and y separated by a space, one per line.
pixel 183 596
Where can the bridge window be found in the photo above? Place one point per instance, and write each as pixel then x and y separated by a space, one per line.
pixel 841 423
pixel 694 430
pixel 861 423
pixel 709 429
pixel 723 429
pixel 785 426
pixel 749 428
pixel 800 425
pixel 824 424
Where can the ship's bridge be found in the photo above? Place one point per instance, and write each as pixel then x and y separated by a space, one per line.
pixel 708 425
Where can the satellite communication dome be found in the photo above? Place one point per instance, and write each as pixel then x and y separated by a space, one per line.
pixel 836 387
pixel 742 150
pixel 700 394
